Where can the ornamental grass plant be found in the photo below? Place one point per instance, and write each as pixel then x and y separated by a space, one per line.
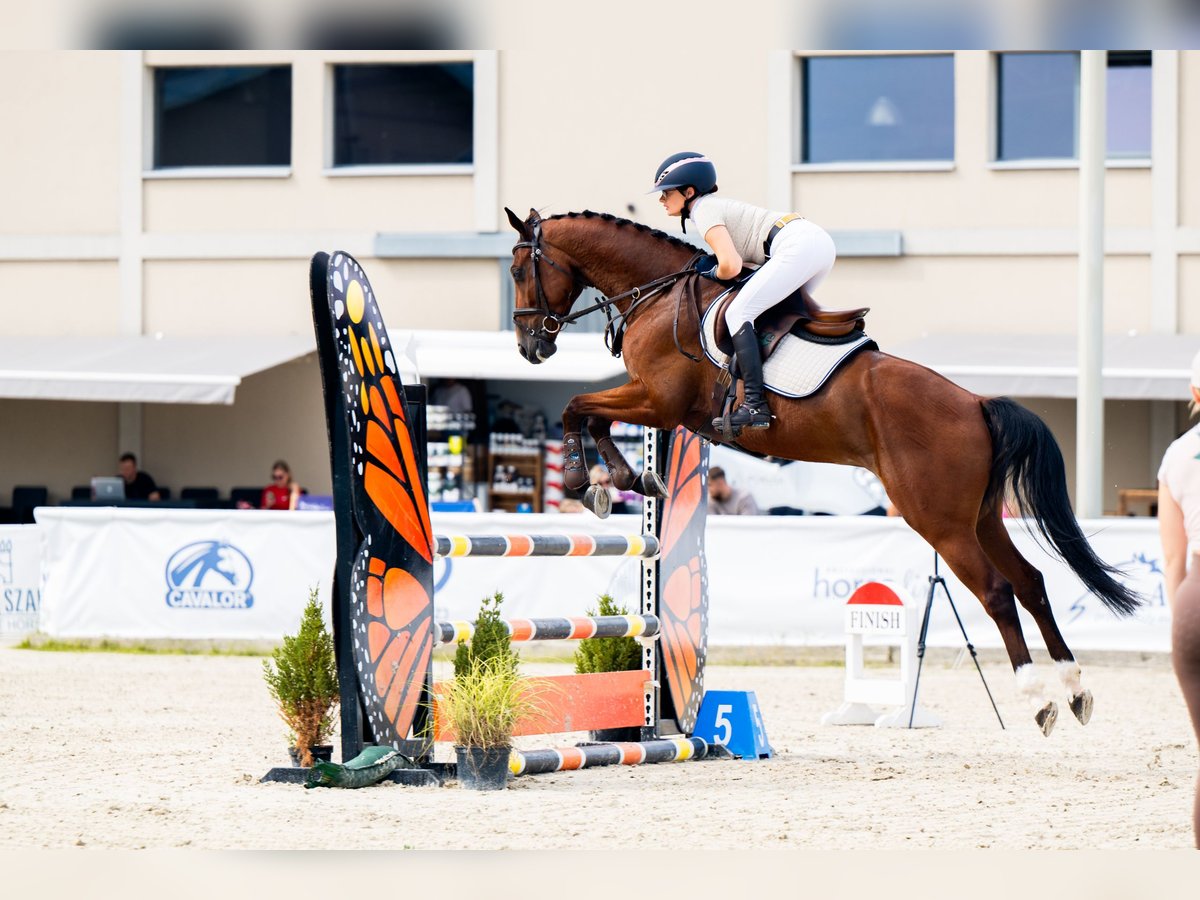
pixel 484 703
pixel 302 678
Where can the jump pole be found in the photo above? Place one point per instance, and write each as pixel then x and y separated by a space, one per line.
pixel 377 548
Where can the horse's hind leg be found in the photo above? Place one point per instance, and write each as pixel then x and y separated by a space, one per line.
pixel 1031 591
pixel 966 557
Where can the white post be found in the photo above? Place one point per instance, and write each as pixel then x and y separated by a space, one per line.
pixel 1089 419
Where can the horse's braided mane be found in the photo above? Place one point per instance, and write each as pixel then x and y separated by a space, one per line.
pixel 623 223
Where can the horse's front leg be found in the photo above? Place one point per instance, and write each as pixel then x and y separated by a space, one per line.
pixel 648 484
pixel 628 403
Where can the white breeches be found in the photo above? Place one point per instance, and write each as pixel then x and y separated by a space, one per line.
pixel 802 254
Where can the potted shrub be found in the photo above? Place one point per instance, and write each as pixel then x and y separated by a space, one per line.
pixel 302 678
pixel 609 655
pixel 486 699
pixel 483 705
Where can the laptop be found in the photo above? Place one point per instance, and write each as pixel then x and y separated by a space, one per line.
pixel 108 488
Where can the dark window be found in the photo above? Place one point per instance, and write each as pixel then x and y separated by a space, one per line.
pixel 403 114
pixel 878 108
pixel 1039 105
pixel 223 116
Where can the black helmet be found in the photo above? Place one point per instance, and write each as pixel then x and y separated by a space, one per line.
pixel 682 169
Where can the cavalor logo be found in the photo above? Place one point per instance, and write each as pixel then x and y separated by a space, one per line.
pixel 209 575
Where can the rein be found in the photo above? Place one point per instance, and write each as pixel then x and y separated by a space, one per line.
pixel 618 323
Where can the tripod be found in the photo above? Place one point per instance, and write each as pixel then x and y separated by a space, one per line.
pixel 934 580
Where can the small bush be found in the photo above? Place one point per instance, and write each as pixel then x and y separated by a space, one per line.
pixel 608 654
pixel 303 681
pixel 484 703
pixel 490 641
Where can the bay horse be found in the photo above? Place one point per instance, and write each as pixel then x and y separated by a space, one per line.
pixel 946 456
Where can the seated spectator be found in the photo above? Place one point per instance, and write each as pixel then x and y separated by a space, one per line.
pixel 726 500
pixel 138 485
pixel 282 493
pixel 454 395
pixel 599 475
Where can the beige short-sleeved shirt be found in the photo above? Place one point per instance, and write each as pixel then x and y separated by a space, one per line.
pixel 748 225
pixel 1180 472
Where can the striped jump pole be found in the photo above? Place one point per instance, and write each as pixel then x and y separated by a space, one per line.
pixel 589 756
pixel 556 629
pixel 454 546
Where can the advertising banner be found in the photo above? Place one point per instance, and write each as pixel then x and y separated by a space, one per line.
pixel 773 580
pixel 20 578
pixel 195 574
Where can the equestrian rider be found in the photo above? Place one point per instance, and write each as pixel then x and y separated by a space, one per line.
pixel 791 252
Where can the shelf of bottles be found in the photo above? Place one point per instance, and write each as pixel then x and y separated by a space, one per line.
pixel 516 473
pixel 450 464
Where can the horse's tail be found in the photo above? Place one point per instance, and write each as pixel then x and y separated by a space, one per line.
pixel 1025 455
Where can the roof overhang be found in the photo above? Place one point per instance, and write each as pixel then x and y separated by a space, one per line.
pixel 493 355
pixel 139 369
pixel 1135 366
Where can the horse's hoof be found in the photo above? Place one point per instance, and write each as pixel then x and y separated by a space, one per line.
pixel 1046 717
pixel 1081 705
pixel 649 484
pixel 598 500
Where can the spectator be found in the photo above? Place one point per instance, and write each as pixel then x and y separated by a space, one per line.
pixel 726 500
pixel 454 395
pixel 282 493
pixel 599 475
pixel 1179 529
pixel 138 485
pixel 570 505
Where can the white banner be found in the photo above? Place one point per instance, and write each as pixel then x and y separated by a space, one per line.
pixel 20 578
pixel 780 580
pixel 784 580
pixel 196 574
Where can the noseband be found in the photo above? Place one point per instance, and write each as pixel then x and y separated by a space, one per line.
pixel 552 323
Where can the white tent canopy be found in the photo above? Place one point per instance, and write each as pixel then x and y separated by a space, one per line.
pixel 139 369
pixel 149 369
pixel 1136 366
pixel 494 355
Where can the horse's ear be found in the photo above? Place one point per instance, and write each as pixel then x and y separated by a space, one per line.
pixel 516 223
pixel 534 217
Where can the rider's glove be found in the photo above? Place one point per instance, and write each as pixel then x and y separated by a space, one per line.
pixel 706 267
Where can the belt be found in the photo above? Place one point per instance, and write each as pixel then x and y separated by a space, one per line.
pixel 775 229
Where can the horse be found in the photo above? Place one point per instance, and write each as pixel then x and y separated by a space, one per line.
pixel 946 456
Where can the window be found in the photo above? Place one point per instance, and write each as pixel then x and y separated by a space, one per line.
pixel 878 109
pixel 223 116
pixel 1038 103
pixel 408 114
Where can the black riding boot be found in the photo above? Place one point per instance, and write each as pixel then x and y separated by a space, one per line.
pixel 753 413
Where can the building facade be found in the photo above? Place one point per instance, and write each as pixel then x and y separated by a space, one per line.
pixel 177 197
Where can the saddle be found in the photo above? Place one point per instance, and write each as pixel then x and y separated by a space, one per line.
pixel 797 312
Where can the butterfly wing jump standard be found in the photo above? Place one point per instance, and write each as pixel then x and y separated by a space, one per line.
pixel 383 613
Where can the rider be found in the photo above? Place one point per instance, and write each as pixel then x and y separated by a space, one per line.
pixel 792 252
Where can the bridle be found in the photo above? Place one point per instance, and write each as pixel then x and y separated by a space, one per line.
pixel 552 323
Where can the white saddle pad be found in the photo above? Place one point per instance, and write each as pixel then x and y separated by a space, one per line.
pixel 797 368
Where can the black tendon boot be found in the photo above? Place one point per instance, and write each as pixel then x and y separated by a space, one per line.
pixel 753 413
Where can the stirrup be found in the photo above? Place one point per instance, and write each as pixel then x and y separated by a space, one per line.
pixel 731 424
pixel 751 417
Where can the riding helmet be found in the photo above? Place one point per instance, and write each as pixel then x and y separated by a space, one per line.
pixel 682 169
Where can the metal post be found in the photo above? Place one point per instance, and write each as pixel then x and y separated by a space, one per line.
pixel 1089 419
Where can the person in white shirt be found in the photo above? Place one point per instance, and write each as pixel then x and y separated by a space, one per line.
pixel 791 252
pixel 1179 528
